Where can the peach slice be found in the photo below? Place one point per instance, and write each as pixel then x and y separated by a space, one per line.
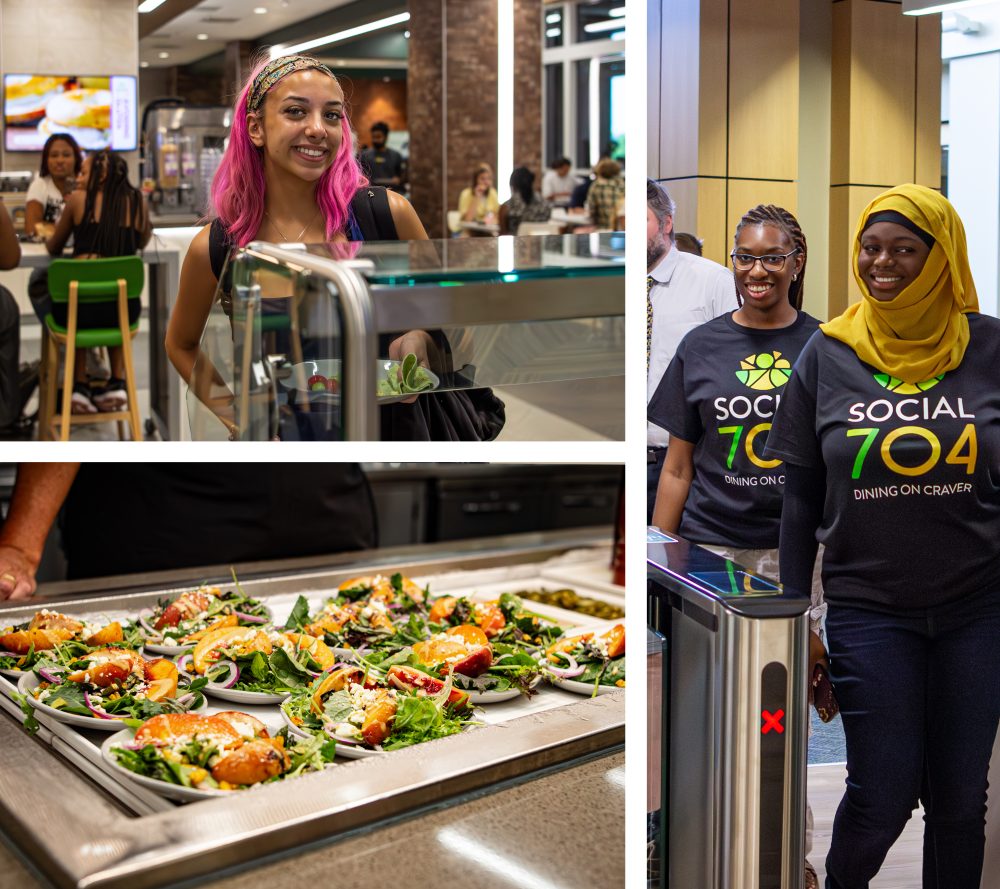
pixel 109 666
pixel 229 620
pixel 319 650
pixel 107 635
pixel 242 638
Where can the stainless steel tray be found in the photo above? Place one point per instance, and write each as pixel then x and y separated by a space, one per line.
pixel 128 836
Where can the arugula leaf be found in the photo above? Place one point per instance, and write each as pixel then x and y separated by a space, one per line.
pixel 299 616
pixel 31 724
pixel 511 605
pixel 258 666
pixel 338 707
pixel 288 671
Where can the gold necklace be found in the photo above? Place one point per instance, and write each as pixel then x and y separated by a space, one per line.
pixel 285 240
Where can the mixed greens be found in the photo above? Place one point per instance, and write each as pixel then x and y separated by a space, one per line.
pixel 404 379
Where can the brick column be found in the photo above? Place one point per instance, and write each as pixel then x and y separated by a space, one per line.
pixel 452 98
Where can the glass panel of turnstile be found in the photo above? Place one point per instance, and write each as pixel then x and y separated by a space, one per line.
pixel 736 720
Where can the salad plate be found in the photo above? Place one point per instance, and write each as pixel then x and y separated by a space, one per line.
pixel 167 650
pixel 29 682
pixel 320 379
pixel 584 688
pixel 238 696
pixel 163 788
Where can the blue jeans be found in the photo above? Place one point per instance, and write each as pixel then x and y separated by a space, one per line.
pixel 920 699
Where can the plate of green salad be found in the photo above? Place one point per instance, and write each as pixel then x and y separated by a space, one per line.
pixel 85 696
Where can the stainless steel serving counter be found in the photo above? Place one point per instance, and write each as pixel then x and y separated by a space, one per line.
pixel 517 798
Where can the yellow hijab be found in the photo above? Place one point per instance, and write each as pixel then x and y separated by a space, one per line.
pixel 923 331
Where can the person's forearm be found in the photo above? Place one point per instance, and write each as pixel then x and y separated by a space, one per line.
pixel 671 495
pixel 801 515
pixel 38 495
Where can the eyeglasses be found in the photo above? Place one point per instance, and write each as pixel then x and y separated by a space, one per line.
pixel 772 262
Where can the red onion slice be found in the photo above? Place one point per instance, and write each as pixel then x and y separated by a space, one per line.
pixel 250 618
pixel 569 672
pixel 97 711
pixel 184 662
pixel 231 676
pixel 49 676
pixel 330 730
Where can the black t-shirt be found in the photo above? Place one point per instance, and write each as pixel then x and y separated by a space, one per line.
pixel 720 392
pixel 381 166
pixel 135 517
pixel 912 512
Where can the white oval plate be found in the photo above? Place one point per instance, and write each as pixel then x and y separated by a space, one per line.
pixel 346 750
pixel 14 674
pixel 171 791
pixel 294 729
pixel 490 697
pixel 583 688
pixel 237 696
pixel 29 682
pixel 169 650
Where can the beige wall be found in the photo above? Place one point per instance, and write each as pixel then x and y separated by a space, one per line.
pixel 58 37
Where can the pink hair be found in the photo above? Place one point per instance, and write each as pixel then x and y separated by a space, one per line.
pixel 239 186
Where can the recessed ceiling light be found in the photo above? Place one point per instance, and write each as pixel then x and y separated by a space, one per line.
pixel 203 36
pixel 260 10
pixel 149 5
pixel 143 64
pixel 406 34
pixel 385 79
pixel 164 55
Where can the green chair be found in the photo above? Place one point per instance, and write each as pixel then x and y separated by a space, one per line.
pixel 78 281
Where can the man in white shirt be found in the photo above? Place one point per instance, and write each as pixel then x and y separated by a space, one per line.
pixel 682 291
pixel 558 183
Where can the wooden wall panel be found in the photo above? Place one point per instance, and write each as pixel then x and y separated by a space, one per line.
pixel 745 194
pixel 927 164
pixel 713 63
pixel 846 204
pixel 679 90
pixel 883 65
pixel 840 95
pixel 712 219
pixel 764 90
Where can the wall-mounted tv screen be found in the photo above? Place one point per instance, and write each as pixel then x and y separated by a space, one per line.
pixel 99 112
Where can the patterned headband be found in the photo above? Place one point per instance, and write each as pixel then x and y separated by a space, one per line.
pixel 276 70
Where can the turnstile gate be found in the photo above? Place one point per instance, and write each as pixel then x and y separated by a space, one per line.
pixel 736 716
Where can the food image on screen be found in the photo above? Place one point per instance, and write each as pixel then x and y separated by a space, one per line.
pixel 99 112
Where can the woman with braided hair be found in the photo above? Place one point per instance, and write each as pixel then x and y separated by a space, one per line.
pixel 717 399
pixel 106 216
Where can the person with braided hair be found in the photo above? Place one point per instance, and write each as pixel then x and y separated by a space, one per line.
pixel 106 216
pixel 717 399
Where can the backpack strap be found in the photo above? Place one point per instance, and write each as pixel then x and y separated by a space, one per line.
pixel 372 214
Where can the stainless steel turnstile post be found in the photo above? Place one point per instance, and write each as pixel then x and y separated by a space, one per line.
pixel 737 720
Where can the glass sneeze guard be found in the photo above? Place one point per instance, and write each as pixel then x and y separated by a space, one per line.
pixel 297 344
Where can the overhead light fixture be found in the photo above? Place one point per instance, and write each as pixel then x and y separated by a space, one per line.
pixel 606 25
pixel 928 7
pixel 617 12
pixel 203 36
pixel 406 35
pixel 149 5
pixel 553 17
pixel 163 55
pixel 552 32
pixel 143 64
pixel 260 10
pixel 340 35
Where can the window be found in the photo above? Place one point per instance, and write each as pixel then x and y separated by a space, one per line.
pixel 584 80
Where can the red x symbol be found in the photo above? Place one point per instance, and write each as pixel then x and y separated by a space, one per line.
pixel 772 721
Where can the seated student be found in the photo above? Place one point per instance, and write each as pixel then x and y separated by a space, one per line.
pixel 558 183
pixel 606 192
pixel 480 202
pixel 106 216
pixel 11 402
pixel 525 204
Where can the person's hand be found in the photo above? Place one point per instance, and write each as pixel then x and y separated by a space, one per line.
pixel 817 655
pixel 417 342
pixel 17 574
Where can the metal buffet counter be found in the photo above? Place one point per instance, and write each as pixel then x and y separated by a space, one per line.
pixel 518 797
pixel 498 312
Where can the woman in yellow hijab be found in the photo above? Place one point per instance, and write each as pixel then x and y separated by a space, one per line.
pixel 890 432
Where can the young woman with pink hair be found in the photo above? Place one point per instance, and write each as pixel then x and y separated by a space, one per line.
pixel 288 174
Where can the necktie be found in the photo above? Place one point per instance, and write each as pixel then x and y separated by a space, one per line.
pixel 649 319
